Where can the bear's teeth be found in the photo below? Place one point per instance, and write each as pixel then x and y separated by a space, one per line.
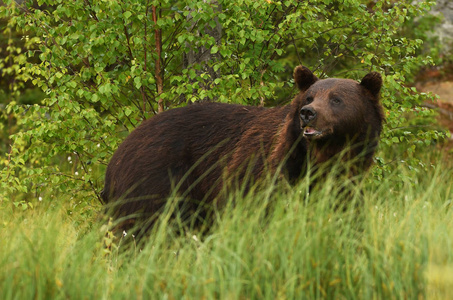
pixel 310 131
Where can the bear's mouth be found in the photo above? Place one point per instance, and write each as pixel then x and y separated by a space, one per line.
pixel 311 132
pixel 317 134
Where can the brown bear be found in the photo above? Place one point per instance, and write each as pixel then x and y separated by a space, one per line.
pixel 193 150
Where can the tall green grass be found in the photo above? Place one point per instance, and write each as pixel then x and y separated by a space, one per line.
pixel 276 243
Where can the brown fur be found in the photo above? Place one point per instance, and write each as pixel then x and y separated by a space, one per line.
pixel 195 146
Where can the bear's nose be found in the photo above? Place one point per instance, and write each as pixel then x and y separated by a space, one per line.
pixel 307 114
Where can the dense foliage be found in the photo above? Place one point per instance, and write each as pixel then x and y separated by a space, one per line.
pixel 104 66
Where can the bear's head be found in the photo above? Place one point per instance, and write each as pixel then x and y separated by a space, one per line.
pixel 336 114
pixel 338 110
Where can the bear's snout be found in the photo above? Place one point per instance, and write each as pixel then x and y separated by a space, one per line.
pixel 307 114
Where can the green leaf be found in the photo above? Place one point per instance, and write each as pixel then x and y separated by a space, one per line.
pixel 127 111
pixel 127 15
pixel 138 82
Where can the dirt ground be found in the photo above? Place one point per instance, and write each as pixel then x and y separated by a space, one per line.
pixel 444 105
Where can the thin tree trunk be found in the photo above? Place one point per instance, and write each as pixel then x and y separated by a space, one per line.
pixel 159 75
pixel 202 55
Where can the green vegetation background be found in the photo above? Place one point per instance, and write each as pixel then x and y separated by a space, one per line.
pixel 77 76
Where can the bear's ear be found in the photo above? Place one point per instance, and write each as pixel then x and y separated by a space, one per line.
pixel 372 82
pixel 304 78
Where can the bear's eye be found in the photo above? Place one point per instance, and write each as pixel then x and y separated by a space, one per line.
pixel 309 100
pixel 336 101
